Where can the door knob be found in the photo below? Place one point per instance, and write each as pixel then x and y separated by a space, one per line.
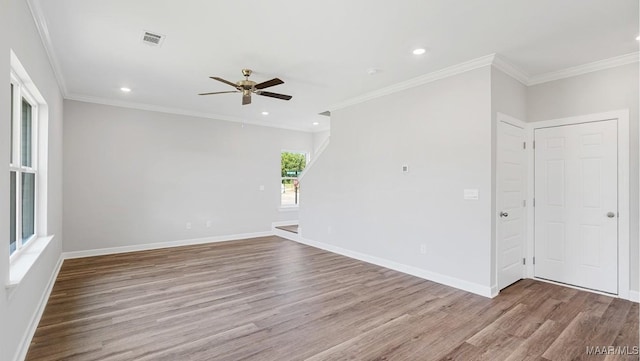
pixel 504 214
pixel 611 214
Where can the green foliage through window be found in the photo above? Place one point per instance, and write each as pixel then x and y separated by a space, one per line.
pixel 292 164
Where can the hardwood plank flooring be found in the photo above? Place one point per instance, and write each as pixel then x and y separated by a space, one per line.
pixel 273 299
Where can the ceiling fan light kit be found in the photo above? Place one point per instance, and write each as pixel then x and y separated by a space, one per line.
pixel 248 87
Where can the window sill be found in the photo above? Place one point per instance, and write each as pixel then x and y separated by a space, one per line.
pixel 289 208
pixel 21 263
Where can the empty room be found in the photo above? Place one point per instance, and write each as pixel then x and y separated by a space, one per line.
pixel 335 180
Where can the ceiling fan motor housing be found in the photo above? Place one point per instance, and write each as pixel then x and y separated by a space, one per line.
pixel 246 84
pixel 246 87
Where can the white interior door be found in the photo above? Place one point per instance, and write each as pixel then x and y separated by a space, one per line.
pixel 576 186
pixel 511 176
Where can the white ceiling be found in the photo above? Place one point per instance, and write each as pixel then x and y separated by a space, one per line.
pixel 321 49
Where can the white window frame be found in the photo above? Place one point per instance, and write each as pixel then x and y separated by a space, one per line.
pixel 307 155
pixel 23 259
pixel 20 92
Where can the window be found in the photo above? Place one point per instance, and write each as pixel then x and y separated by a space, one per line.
pixel 292 164
pixel 23 170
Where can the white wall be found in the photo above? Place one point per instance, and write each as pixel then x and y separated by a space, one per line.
pixel 18 307
pixel 134 177
pixel 5 348
pixel 357 198
pixel 319 138
pixel 508 96
pixel 596 92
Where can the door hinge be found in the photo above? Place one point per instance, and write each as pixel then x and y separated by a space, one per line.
pixel 524 261
pixel 534 260
pixel 524 145
pixel 534 144
pixel 524 203
pixel 534 202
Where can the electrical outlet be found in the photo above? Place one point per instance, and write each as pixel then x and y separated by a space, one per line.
pixel 261 188
pixel 329 230
pixel 423 248
pixel 208 224
pixel 188 225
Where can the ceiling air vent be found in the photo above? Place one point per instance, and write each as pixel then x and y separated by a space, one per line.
pixel 152 39
pixel 325 113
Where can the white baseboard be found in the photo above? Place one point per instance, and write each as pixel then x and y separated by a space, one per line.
pixel 35 320
pixel 478 289
pixel 159 245
pixel 634 296
pixel 287 235
pixel 284 223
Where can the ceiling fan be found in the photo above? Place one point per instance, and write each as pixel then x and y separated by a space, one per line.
pixel 247 87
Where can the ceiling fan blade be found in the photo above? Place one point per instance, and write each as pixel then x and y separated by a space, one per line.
pixel 232 91
pixel 246 99
pixel 275 95
pixel 269 83
pixel 224 81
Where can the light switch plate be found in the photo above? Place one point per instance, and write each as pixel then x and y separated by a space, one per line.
pixel 471 194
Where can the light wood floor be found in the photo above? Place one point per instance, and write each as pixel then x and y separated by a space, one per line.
pixel 273 299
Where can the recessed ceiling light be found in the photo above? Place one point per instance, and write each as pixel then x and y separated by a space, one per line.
pixel 419 51
pixel 638 37
pixel 125 89
pixel 265 113
pixel 315 123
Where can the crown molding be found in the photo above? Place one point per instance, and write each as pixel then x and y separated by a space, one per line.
pixel 504 66
pixel 178 111
pixel 421 80
pixel 585 68
pixel 43 30
pixel 489 60
pixel 499 63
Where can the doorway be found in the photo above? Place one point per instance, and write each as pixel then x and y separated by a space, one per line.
pixel 580 194
pixel 510 200
pixel 576 211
